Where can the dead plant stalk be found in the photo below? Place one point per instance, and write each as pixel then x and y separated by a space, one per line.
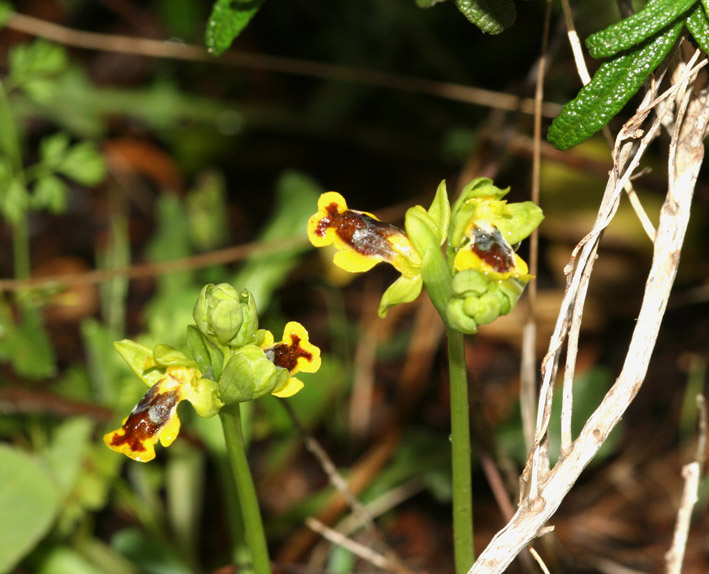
pixel 542 487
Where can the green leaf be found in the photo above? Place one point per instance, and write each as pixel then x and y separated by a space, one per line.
pixel 613 84
pixel 228 19
pixel 491 16
pixel 698 26
pixel 26 343
pixel 53 148
pixel 84 164
pixel 5 13
pixel 654 17
pixel 15 202
pixel 37 60
pixel 29 502
pixel 50 193
pixel 66 452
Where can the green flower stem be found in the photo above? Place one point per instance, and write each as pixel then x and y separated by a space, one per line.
pixel 230 416
pixel 464 550
pixel 437 278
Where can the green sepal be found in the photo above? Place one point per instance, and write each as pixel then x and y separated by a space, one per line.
pixel 518 220
pixel 198 347
pixel 464 208
pixel 249 375
pixel 166 356
pixel 435 272
pixel 512 289
pixel 440 213
pixel 249 325
pixel 226 320
pixel 403 290
pixel 203 394
pixel 138 356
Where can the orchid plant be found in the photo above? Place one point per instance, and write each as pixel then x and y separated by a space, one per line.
pixel 232 361
pixel 464 257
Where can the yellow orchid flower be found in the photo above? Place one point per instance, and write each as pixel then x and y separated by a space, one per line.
pixel 154 417
pixel 487 251
pixel 294 353
pixel 361 239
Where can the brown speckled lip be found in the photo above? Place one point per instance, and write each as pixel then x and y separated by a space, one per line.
pixel 146 419
pixel 286 356
pixel 362 233
pixel 491 247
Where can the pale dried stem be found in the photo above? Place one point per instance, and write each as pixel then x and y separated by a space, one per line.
pixel 675 556
pixel 544 489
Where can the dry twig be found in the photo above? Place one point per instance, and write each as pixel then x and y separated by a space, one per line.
pixel 543 488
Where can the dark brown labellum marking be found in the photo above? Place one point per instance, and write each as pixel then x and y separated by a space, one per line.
pixel 146 419
pixel 492 248
pixel 361 232
pixel 286 356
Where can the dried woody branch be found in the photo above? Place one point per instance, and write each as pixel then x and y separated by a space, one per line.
pixel 542 487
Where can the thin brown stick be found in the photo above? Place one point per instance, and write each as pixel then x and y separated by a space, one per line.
pixel 364 552
pixel 335 478
pixel 219 257
pixel 181 51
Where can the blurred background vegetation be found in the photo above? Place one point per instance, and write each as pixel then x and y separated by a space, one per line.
pixel 141 178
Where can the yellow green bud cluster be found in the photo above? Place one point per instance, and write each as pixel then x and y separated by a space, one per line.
pixel 232 361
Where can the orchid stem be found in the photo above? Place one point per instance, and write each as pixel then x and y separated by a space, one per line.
pixel 463 547
pixel 230 416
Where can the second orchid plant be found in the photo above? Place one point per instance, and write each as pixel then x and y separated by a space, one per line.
pixel 464 257
pixel 232 361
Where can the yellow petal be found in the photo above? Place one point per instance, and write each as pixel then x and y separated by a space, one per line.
pixel 292 387
pixel 354 262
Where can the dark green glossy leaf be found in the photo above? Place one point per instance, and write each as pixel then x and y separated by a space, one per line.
pixel 613 84
pixel 654 17
pixel 698 26
pixel 491 16
pixel 228 19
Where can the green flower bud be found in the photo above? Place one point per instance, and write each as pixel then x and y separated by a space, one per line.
pixel 470 282
pixel 227 315
pixel 458 319
pixel 483 309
